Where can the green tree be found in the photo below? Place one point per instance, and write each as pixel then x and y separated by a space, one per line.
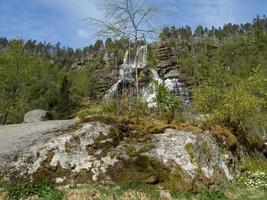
pixel 166 100
pixel 230 100
pixel 16 76
pixel 64 105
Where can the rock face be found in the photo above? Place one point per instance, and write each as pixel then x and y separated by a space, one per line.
pixel 109 152
pixel 37 116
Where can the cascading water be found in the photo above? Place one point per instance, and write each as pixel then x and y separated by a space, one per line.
pixel 179 88
pixel 149 93
pixel 173 84
pixel 126 69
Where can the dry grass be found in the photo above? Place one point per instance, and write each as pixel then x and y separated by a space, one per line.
pixel 134 195
pixel 84 194
pixel 3 196
pixel 225 137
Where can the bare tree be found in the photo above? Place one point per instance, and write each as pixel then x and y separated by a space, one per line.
pixel 131 19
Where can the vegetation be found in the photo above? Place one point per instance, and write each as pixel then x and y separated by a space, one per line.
pixel 129 19
pixel 33 76
pixel 131 191
pixel 225 69
pixel 45 191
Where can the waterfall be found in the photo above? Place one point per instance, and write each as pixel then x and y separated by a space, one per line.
pixel 126 69
pixel 149 93
pixel 179 88
pixel 173 84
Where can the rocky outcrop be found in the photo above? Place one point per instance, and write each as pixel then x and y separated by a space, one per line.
pixel 109 152
pixel 104 76
pixel 37 115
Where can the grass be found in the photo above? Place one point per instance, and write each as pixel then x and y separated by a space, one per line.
pixel 44 191
pixel 139 191
pixel 132 190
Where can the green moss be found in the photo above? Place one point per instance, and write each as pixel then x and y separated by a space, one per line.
pixel 176 181
pixel 190 149
pixel 141 168
pixel 205 149
pixel 131 151
pixel 67 147
pixel 225 138
pixel 152 171
pixel 255 163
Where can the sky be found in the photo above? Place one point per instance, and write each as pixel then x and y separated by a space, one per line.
pixel 63 20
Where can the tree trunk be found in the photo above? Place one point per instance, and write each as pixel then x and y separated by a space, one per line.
pixel 136 67
pixel 5 118
pixel 136 79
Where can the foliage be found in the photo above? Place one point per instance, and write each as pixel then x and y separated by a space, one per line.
pixel 29 82
pixel 231 100
pixel 106 108
pixel 253 179
pixel 166 100
pixel 46 191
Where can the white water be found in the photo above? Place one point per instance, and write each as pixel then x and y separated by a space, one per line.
pixel 149 93
pixel 126 69
pixel 174 85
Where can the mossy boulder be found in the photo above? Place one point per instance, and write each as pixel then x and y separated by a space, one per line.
pixel 104 150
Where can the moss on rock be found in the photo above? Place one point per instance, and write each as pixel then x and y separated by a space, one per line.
pixel 225 138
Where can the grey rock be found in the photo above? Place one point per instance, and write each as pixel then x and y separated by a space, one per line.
pixel 37 116
pixel 172 74
pixel 96 152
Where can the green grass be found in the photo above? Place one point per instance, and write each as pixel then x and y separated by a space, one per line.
pixel 45 191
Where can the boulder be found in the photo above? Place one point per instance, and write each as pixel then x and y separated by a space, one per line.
pixel 37 116
pixel 105 151
pixel 173 73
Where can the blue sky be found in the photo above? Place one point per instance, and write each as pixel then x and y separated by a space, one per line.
pixel 61 20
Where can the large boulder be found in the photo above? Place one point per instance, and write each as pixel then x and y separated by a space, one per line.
pixel 37 116
pixel 109 152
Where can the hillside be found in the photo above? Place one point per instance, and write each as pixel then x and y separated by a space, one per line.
pixel 181 117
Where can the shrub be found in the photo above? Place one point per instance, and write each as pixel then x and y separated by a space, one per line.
pixel 232 101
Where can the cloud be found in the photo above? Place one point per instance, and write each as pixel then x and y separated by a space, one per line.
pixel 82 33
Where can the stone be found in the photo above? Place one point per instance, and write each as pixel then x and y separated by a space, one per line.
pixel 172 74
pixel 100 151
pixel 37 115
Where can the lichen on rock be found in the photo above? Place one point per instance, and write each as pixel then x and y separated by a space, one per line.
pixel 109 152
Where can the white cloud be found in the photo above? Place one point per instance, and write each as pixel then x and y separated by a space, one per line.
pixel 82 33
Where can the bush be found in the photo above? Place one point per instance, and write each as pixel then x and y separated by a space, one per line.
pixel 232 101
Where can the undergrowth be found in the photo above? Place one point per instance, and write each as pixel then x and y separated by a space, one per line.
pixel 45 191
